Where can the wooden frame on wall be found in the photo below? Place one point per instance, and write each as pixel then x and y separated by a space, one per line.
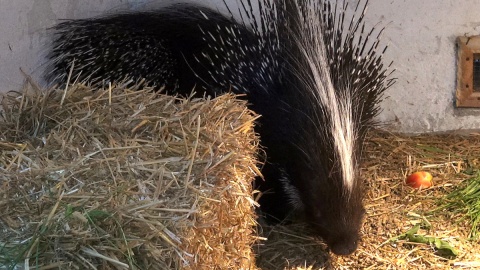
pixel 468 72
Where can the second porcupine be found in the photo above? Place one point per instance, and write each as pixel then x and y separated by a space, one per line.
pixel 315 79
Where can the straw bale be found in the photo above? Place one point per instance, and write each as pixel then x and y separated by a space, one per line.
pixel 125 179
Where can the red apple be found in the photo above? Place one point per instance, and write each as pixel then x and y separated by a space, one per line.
pixel 419 180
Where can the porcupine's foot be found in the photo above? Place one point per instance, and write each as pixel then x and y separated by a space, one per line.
pixel 278 200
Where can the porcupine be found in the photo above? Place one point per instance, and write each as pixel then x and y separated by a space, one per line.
pixel 315 79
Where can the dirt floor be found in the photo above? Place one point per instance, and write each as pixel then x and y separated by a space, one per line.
pixel 393 209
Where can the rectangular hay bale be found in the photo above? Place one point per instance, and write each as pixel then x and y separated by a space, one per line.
pixel 126 179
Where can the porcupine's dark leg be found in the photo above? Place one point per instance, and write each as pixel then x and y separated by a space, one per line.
pixel 274 202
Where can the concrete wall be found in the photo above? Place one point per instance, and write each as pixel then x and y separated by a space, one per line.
pixel 421 35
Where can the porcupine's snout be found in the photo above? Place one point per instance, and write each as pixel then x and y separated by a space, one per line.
pixel 341 235
pixel 343 241
pixel 335 214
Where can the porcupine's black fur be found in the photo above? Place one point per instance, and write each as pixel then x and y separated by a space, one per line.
pixel 310 74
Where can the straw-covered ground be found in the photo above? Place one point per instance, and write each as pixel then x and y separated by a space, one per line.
pixel 394 208
pixel 130 179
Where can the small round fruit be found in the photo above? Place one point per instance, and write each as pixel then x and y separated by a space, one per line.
pixel 419 180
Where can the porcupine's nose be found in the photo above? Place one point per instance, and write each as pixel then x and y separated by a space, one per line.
pixel 343 248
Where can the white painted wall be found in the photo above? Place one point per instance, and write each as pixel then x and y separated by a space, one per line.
pixel 422 38
pixel 421 35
